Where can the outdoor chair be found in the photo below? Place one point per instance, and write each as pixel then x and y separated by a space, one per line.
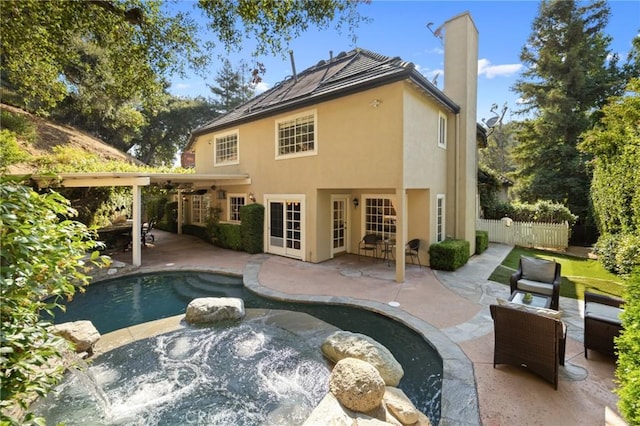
pixel 368 244
pixel 538 276
pixel 412 250
pixel 524 338
pixel 602 322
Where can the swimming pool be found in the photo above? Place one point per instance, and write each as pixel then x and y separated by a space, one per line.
pixel 126 301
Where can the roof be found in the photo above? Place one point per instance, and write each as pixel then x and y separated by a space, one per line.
pixel 348 72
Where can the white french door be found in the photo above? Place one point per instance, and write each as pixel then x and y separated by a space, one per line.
pixel 340 216
pixel 285 226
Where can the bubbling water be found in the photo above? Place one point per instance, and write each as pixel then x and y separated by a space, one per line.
pixel 242 374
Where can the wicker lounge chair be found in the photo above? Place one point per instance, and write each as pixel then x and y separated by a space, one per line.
pixel 538 276
pixel 530 340
pixel 601 322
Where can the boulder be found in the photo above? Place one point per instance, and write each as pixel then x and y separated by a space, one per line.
pixel 82 334
pixel 206 310
pixel 357 385
pixel 344 344
pixel 331 412
pixel 400 406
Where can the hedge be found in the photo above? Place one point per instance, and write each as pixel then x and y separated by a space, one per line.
pixel 628 345
pixel 449 255
pixel 482 241
pixel 252 228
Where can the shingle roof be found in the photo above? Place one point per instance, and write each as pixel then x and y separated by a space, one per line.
pixel 348 72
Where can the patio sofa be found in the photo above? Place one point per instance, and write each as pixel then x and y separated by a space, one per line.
pixel 602 322
pixel 538 276
pixel 530 338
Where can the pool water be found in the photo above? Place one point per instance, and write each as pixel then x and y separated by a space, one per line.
pixel 127 301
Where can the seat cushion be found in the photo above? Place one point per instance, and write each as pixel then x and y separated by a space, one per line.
pixel 549 313
pixel 535 287
pixel 538 269
pixel 603 312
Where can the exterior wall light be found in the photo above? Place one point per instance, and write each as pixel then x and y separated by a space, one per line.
pixel 356 202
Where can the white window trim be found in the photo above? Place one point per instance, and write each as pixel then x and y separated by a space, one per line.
pixel 442 138
pixel 229 205
pixel 363 204
pixel 204 206
pixel 314 151
pixel 217 163
pixel 440 198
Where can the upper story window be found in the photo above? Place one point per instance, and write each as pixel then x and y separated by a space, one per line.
pixel 226 149
pixel 442 130
pixel 440 218
pixel 296 135
pixel 235 202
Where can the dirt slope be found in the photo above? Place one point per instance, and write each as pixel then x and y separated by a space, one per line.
pixel 51 134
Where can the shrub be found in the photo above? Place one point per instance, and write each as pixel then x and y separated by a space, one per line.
pixel 196 231
pixel 628 345
pixel 542 211
pixel 449 255
pixel 154 206
pixel 227 235
pixel 19 124
pixel 43 263
pixel 170 222
pixel 252 228
pixel 618 253
pixel 482 241
pixel 10 151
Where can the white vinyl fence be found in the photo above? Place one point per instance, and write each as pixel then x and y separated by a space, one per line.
pixel 526 234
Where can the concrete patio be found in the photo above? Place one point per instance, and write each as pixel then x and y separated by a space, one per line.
pixel 449 308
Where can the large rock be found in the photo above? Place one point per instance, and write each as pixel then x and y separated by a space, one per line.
pixel 82 334
pixel 214 309
pixel 344 344
pixel 357 385
pixel 400 406
pixel 331 412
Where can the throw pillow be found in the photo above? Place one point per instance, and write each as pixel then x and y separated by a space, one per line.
pixel 538 269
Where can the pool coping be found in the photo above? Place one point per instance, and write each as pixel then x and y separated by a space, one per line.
pixel 459 397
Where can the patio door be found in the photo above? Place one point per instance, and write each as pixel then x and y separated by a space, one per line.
pixel 285 227
pixel 339 207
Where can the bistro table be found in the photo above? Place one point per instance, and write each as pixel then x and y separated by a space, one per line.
pixel 387 249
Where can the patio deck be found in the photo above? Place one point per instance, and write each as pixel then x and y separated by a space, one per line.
pixel 451 308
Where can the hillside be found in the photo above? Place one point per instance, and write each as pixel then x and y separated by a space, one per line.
pixel 50 134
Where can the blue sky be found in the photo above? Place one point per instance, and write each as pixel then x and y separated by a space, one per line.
pixel 399 28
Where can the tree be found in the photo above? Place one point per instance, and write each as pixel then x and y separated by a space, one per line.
pixel 571 72
pixel 496 157
pixel 232 88
pixel 168 130
pixel 42 262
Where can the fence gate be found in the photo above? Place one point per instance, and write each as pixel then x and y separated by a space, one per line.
pixel 526 234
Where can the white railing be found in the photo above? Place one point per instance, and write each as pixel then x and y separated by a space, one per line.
pixel 526 234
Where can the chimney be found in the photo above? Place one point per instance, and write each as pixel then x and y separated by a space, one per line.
pixel 461 85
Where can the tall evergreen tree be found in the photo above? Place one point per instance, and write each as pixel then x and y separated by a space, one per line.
pixel 571 72
pixel 233 87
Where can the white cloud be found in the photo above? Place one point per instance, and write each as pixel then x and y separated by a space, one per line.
pixel 262 87
pixel 181 86
pixel 490 71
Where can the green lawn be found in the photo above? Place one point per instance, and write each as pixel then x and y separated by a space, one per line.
pixel 578 274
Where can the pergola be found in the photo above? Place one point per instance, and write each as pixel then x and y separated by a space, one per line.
pixel 137 180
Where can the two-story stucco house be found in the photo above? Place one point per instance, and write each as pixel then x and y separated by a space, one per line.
pixel 359 143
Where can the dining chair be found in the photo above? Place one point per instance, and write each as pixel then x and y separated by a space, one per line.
pixel 412 250
pixel 369 243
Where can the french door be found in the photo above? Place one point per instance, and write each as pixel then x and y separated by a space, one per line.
pixel 286 227
pixel 339 205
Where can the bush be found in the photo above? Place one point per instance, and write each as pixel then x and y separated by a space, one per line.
pixel 170 222
pixel 618 253
pixel 542 212
pixel 227 235
pixel 449 255
pixel 154 206
pixel 628 345
pixel 10 151
pixel 482 241
pixel 19 124
pixel 252 228
pixel 196 231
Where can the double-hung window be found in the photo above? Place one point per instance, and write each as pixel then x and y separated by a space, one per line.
pixel 226 149
pixel 235 202
pixel 296 135
pixel 442 130
pixel 440 231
